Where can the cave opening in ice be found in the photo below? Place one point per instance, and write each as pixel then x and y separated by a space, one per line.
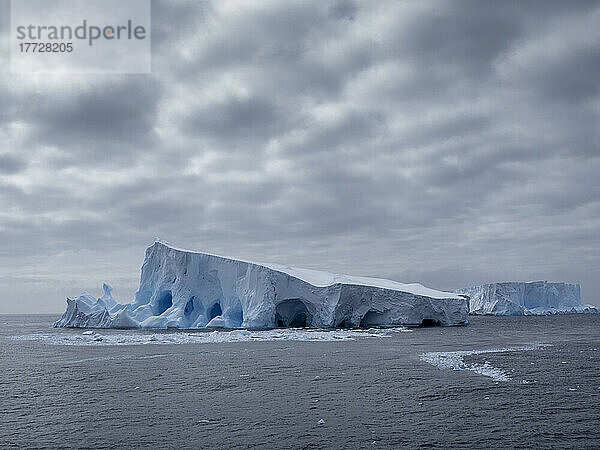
pixel 192 310
pixel 236 314
pixel 430 323
pixel 292 313
pixel 343 324
pixel 371 318
pixel 164 302
pixel 189 308
pixel 215 311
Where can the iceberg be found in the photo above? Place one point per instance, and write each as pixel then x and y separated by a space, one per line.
pixel 192 290
pixel 526 298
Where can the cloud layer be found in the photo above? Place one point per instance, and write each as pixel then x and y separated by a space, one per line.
pixel 448 144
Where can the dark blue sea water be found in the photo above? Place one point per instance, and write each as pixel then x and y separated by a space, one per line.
pixel 377 389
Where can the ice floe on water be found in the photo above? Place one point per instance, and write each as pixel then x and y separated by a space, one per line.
pixel 455 361
pixel 217 336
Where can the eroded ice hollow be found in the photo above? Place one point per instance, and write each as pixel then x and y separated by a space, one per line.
pixel 190 290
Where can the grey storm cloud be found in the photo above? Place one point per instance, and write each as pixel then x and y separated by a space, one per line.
pixel 435 142
pixel 10 164
pixel 108 119
pixel 240 118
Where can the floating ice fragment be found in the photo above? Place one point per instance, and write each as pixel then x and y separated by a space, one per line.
pixel 455 361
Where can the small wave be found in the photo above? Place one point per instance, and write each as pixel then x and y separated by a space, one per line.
pixel 112 358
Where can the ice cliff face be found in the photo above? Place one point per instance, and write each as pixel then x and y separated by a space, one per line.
pixel 183 289
pixel 525 298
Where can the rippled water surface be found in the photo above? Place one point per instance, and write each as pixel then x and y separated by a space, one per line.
pixel 499 382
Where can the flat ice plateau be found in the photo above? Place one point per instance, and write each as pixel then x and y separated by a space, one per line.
pixel 526 298
pixel 192 290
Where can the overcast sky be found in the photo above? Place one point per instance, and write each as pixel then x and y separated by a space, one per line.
pixel 446 143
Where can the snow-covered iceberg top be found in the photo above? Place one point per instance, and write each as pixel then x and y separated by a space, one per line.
pixel 186 289
pixel 516 298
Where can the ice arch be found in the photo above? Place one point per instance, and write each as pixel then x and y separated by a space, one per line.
pixel 292 313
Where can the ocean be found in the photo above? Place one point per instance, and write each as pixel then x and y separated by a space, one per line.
pixel 500 382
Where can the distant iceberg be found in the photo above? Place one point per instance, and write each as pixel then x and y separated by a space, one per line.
pixel 526 298
pixel 191 290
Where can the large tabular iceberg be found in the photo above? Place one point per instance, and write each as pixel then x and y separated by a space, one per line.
pixel 184 289
pixel 525 298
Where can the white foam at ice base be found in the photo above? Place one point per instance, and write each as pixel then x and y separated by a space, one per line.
pixel 217 336
pixel 455 361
